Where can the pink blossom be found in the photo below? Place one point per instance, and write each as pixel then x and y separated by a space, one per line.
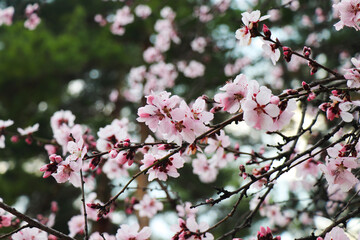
pixel 32 21
pixel 223 5
pixel 100 19
pixel 152 54
pixel 5 219
pixel 28 130
pixel 3 125
pixel 63 135
pixel 338 172
pixel 194 227
pixel 198 44
pixel 142 11
pixel 68 171
pixel 77 150
pixel 97 236
pixel 167 13
pixel 217 145
pixel 185 210
pixel 62 117
pixel 52 167
pixel 232 69
pixel 353 74
pixel 258 110
pixel 31 8
pixel 250 20
pixel 126 232
pixel 123 16
pixel 6 16
pixel 148 206
pixel 76 225
pixel 114 169
pixel 203 13
pixel 287 111
pixel 193 70
pixel 234 94
pixel 30 233
pixel 336 234
pixel 339 108
pixel 163 169
pixel 348 11
pixel 271 51
pixel 265 234
pixel 206 170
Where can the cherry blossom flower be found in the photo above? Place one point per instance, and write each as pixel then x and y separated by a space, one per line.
pixel 348 11
pixel 265 234
pixel 68 171
pixel 29 130
pixel 338 172
pixel 77 150
pixel 198 44
pixel 353 74
pixel 148 206
pixel 100 19
pixel 271 51
pixel 32 22
pixel 335 234
pixel 142 11
pixel 217 146
pixel 152 54
pixel 339 108
pixel 191 230
pixel 235 92
pixel 122 18
pixel 250 20
pixel 163 169
pixel 185 210
pixel 126 232
pixel 6 16
pixel 64 134
pixel 114 169
pixel 5 219
pixel 52 167
pixel 258 110
pixel 287 111
pixel 3 125
pixel 76 225
pixel 97 236
pixel 203 13
pixel 30 233
pixel 62 117
pixel 193 70
pixel 205 169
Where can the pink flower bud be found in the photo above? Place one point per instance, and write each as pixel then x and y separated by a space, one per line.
pixel 14 138
pixel 54 206
pixel 305 86
pixel 266 31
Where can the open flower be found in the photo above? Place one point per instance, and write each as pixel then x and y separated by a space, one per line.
pixel 250 21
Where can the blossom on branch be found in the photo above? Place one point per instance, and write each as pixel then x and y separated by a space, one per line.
pixel 250 21
pixel 349 13
pixel 126 232
pixel 148 206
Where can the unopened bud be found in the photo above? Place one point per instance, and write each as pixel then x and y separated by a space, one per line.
pixel 267 32
pixel 306 52
pixel 287 54
pixel 305 86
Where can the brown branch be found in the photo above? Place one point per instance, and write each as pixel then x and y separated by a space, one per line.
pixel 34 223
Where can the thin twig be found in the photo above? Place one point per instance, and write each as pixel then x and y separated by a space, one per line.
pixel 33 222
pixel 84 206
